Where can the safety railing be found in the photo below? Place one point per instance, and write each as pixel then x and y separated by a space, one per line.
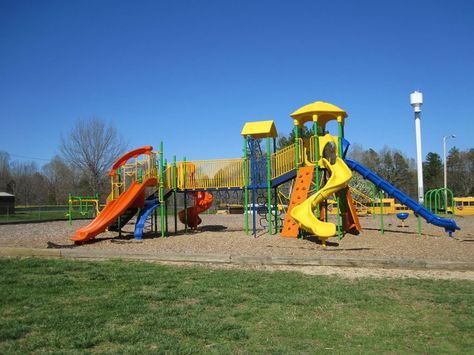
pixel 142 168
pixel 208 174
pixel 284 160
pixel 168 177
pixel 310 148
pixel 361 195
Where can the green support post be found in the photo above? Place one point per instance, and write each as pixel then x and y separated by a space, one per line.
pixel 373 201
pixel 269 187
pixel 275 193
pixel 339 222
pixel 382 230
pixel 185 198
pixel 162 207
pixel 297 146
pixel 166 201
pixel 246 186
pixel 316 158
pixel 297 160
pixel 340 135
pixel 166 217
pixel 97 206
pixel 70 209
pixel 175 186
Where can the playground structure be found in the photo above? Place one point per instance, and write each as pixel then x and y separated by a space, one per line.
pixel 84 203
pixel 316 168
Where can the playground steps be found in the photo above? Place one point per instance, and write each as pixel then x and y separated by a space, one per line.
pixel 298 195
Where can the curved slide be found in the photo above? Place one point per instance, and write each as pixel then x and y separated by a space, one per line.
pixel 134 196
pixel 145 212
pixel 203 203
pixel 449 225
pixel 303 213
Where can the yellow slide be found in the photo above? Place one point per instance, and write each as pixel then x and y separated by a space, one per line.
pixel 303 213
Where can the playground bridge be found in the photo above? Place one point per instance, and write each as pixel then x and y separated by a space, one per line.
pixel 210 174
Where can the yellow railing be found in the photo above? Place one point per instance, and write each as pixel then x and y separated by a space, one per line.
pixel 168 177
pixel 360 207
pixel 284 160
pixel 357 192
pixel 208 174
pixel 310 146
pixel 140 169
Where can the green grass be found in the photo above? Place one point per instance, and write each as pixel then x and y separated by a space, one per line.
pixel 36 215
pixel 117 307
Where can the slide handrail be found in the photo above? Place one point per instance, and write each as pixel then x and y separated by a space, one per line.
pixel 132 154
pixel 449 225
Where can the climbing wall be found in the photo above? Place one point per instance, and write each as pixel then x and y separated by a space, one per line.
pixel 298 195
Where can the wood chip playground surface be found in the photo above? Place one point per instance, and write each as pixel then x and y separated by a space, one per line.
pixel 224 234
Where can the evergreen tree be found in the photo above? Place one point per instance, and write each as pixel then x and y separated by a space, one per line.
pixel 432 171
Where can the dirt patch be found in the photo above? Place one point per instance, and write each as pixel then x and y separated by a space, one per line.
pixel 224 234
pixel 345 272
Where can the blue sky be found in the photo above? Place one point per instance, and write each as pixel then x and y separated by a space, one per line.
pixel 191 73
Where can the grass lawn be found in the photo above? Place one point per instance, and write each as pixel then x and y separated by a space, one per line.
pixel 67 306
pixel 37 215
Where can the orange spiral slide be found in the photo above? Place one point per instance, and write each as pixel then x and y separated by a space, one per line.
pixel 203 201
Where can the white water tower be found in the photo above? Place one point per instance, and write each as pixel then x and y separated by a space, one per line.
pixel 416 100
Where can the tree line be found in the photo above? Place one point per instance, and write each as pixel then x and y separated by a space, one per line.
pixel 88 151
pixel 400 170
pixel 86 154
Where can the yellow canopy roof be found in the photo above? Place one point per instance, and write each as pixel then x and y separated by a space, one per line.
pixel 260 129
pixel 318 111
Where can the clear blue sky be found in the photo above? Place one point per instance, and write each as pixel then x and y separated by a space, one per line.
pixel 191 73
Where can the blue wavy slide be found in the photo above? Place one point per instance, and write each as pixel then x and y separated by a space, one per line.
pixel 150 204
pixel 449 225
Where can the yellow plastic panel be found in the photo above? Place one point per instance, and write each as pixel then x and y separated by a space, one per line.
pixel 319 111
pixel 260 129
pixel 325 140
pixel 208 174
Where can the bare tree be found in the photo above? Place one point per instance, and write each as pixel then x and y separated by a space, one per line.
pixel 6 180
pixel 93 146
pixel 29 185
pixel 60 180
